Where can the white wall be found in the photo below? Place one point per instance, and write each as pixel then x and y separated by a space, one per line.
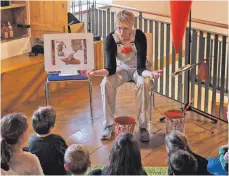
pixel 15 47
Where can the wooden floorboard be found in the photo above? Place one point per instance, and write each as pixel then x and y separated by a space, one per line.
pixel 74 124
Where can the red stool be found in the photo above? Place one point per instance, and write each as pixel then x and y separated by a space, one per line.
pixel 124 124
pixel 174 120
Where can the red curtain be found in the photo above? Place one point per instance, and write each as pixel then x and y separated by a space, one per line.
pixel 179 18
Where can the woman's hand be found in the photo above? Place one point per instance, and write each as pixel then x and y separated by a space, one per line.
pixel 88 73
pixel 156 74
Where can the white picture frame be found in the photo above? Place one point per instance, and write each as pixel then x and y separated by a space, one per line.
pixel 68 53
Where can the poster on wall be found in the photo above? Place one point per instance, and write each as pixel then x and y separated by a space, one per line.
pixel 68 53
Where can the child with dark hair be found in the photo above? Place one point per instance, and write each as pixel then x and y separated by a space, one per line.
pixel 14 161
pixel 125 157
pixel 77 159
pixel 176 140
pixel 48 147
pixel 182 162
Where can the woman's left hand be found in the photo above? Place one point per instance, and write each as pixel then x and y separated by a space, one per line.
pixel 156 74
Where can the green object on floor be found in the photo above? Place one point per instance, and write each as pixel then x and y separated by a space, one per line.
pixel 149 170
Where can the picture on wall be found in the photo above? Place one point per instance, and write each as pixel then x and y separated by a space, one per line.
pixel 68 53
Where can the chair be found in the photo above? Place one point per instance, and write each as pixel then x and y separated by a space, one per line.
pixel 55 77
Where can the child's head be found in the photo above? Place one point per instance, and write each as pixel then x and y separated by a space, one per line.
pixel 176 140
pixel 125 157
pixel 77 159
pixel 44 119
pixel 182 163
pixel 14 129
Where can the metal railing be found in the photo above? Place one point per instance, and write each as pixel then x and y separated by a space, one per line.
pixel 209 96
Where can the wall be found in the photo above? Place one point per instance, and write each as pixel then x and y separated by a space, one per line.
pixel 15 47
pixel 215 11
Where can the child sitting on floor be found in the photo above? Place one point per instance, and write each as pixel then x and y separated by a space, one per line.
pixel 176 140
pixel 14 161
pixel 125 157
pixel 49 148
pixel 77 159
pixel 182 162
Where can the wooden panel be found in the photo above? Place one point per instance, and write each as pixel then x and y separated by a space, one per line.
pixel 20 86
pixel 19 62
pixel 98 55
pixel 47 17
pixel 23 80
pixel 149 45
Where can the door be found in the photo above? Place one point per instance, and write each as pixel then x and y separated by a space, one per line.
pixel 48 17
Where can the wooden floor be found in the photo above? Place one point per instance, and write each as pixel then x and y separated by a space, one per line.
pixel 73 123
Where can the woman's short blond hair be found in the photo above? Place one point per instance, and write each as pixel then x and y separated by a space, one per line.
pixel 124 18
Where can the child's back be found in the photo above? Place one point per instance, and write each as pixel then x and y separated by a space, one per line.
pixel 50 151
pixel 49 148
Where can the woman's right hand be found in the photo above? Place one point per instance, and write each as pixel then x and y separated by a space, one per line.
pixel 90 73
pixel 87 73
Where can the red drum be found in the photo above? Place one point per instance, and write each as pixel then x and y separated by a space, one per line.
pixel 174 120
pixel 124 124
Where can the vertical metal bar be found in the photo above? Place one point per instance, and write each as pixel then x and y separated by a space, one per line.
pixel 112 21
pixel 211 61
pixel 188 60
pixel 173 70
pixel 207 73
pixel 186 78
pixel 72 5
pixel 135 22
pixel 91 99
pixel 104 32
pixel 104 24
pixel 145 25
pixel 93 18
pixel 79 10
pixel 151 31
pixel 221 108
pixel 167 84
pixel 108 21
pixel 97 21
pixel 47 91
pixel 201 55
pixel 213 110
pixel 180 77
pixel 161 56
pixel 219 65
pixel 140 20
pixel 193 60
pixel 89 16
pixel 100 23
pixel 227 68
pixel 156 50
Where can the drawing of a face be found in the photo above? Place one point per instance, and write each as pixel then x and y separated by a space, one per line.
pixel 76 44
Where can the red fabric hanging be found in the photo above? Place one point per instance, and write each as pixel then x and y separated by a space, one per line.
pixel 179 18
